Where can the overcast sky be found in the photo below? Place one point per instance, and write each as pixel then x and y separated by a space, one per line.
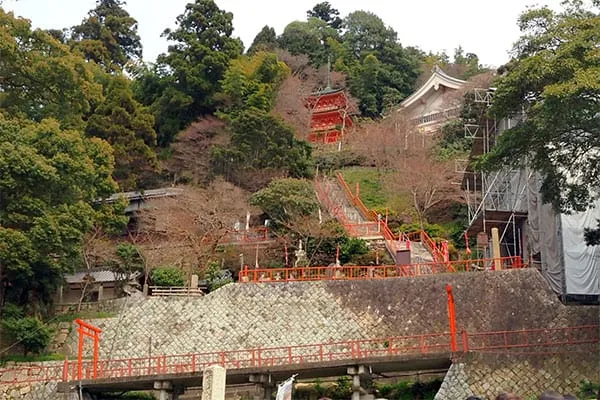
pixel 487 28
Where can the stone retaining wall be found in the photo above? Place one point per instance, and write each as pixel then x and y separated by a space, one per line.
pixel 243 316
pixel 487 375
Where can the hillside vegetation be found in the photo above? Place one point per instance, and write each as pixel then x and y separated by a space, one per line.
pixel 82 117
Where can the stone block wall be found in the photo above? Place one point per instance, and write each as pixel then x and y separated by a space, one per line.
pixel 243 316
pixel 528 375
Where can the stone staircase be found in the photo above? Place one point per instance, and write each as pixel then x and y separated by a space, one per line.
pixel 346 211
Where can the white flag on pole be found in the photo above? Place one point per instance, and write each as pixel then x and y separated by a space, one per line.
pixel 284 390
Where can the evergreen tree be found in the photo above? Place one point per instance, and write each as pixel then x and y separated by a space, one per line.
pixel 128 127
pixel 183 84
pixel 265 40
pixel 108 36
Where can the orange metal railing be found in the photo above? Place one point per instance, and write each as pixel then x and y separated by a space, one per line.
pixel 530 340
pixel 389 236
pixel 255 275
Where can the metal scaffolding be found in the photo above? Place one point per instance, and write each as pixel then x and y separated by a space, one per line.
pixel 494 199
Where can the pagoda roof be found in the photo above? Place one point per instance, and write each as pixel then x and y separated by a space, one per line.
pixel 437 78
pixel 327 90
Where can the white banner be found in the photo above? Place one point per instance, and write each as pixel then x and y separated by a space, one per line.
pixel 284 390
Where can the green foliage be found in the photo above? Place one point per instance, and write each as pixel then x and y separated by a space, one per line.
pixel 167 276
pixel 30 358
pixel 252 81
pixel 370 189
pixel 310 38
pixel 30 332
pixel 128 127
pixel 215 276
pixel 182 85
pixel 381 72
pixel 330 161
pixel 351 248
pixel 410 390
pixel 265 40
pixel 554 80
pixel 258 141
pixel 108 36
pixel 326 13
pixel 433 230
pixel 286 199
pixel 41 78
pixel 49 179
pixel 588 389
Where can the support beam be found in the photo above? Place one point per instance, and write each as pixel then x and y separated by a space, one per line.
pixel 496 249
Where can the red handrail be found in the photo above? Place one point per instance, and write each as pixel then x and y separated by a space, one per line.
pixel 517 340
pixel 351 272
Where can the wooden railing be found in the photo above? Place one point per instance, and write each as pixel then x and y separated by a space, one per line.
pixel 176 291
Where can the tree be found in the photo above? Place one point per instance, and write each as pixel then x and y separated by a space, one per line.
pixel 128 127
pixel 108 36
pixel 30 332
pixel 553 79
pixel 310 38
pixel 252 81
pixel 381 72
pixel 325 12
pixel 265 40
pixel 40 77
pixel 50 181
pixel 365 32
pixel 261 141
pixel 285 200
pixel 183 84
pixel 184 231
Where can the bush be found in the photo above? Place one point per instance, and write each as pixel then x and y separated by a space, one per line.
pixel 30 332
pixel 167 276
pixel 216 277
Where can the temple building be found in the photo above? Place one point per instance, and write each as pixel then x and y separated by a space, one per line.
pixel 435 102
pixel 330 117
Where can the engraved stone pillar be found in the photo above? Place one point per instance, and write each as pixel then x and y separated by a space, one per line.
pixel 213 383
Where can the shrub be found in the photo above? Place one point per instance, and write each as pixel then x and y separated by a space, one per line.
pixel 33 335
pixel 167 276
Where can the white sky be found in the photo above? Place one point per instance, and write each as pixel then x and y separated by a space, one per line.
pixel 487 28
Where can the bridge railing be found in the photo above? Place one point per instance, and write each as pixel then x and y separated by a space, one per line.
pixel 352 272
pixel 534 340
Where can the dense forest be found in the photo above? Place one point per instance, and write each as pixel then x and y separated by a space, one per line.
pixel 82 116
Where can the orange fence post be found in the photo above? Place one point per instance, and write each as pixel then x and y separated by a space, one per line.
pixel 451 318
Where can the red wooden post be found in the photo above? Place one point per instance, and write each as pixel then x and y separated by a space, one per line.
pixel 80 353
pixel 451 318
pixel 66 370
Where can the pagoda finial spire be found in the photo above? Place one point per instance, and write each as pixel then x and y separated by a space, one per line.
pixel 329 71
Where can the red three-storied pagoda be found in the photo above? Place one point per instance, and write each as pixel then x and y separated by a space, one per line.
pixel 329 115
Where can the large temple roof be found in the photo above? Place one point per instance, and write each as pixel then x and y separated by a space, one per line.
pixel 437 78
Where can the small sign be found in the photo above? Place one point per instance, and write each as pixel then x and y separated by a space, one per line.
pixel 482 240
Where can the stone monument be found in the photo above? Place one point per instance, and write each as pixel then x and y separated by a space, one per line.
pixel 213 383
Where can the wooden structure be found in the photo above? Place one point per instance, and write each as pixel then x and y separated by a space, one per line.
pixel 434 103
pixel 329 115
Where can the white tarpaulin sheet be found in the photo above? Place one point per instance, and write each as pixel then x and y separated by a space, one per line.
pixel 581 262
